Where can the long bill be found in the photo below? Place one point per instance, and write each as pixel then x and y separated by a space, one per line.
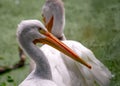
pixel 49 24
pixel 54 42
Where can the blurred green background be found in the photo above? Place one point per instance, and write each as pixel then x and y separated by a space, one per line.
pixel 94 23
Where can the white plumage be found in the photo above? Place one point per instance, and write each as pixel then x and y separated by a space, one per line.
pixel 27 32
pixel 49 70
pixel 98 73
pixel 53 14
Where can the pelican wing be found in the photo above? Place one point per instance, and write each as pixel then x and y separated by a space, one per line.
pixel 99 72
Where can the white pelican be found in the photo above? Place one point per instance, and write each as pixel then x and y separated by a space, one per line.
pixel 54 17
pixel 46 72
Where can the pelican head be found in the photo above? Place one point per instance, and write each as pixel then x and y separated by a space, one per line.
pixel 33 31
pixel 30 30
pixel 53 13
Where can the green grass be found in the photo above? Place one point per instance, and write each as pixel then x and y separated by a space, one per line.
pixel 94 23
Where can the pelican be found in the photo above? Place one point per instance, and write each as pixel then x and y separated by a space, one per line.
pixel 49 71
pixel 53 13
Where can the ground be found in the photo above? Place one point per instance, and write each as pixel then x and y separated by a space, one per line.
pixel 94 23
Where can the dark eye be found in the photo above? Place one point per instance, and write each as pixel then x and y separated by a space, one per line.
pixel 39 28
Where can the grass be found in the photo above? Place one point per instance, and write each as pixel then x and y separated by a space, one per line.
pixel 94 23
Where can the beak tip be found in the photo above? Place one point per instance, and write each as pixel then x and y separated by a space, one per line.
pixel 89 67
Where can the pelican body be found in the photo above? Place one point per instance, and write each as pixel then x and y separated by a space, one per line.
pixel 49 71
pixel 80 75
pixel 25 35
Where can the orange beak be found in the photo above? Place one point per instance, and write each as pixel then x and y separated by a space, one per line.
pixel 54 42
pixel 49 24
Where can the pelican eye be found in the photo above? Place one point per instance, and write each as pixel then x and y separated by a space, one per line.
pixel 41 30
